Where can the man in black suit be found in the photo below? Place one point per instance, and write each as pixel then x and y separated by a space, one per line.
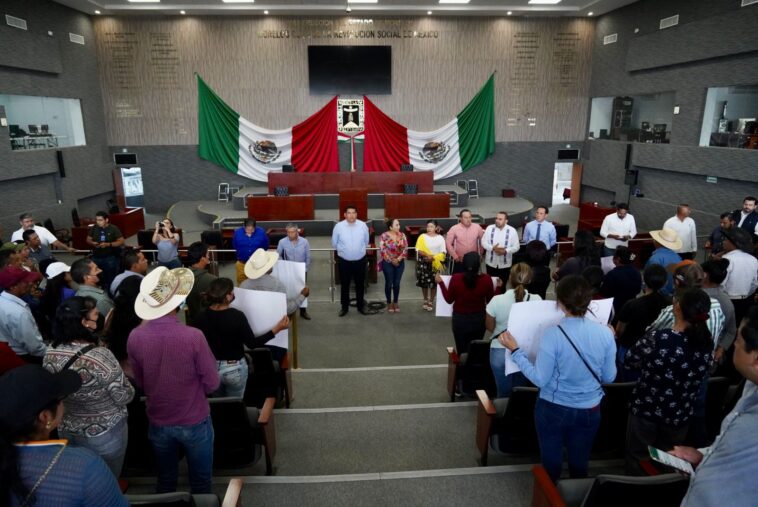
pixel 747 217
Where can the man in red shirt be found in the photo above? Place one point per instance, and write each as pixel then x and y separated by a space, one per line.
pixel 463 238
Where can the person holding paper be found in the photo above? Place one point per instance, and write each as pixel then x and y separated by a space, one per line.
pixel 228 331
pixel 468 292
pixel 258 272
pixel 498 311
pixel 500 242
pixel 574 359
pixel 295 248
pixel 617 229
pixel 673 363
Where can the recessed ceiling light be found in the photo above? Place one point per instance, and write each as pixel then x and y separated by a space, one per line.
pixel 237 1
pixel 509 13
pixel 265 12
pixel 454 1
pixel 182 12
pixel 590 13
pixel 544 2
pixel 97 12
pixel 145 1
pixel 362 1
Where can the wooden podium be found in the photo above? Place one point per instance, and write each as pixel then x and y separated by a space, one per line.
pixel 357 197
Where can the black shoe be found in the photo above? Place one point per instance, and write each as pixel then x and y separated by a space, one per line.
pixel 305 315
pixel 362 310
pixel 343 312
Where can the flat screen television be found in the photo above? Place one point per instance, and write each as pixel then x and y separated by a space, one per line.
pixel 357 70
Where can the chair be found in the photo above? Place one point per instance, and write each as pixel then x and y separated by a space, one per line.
pixel 265 379
pixel 604 490
pixel 715 398
pixel 507 424
pixel 453 197
pixel 475 370
pixel 139 451
pixel 473 189
pixel 410 188
pixel 240 430
pixel 463 184
pixel 223 192
pixel 614 414
pixel 281 191
pixel 181 499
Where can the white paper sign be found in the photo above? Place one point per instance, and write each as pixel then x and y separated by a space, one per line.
pixel 263 310
pixel 607 264
pixel 443 308
pixel 292 275
pixel 528 321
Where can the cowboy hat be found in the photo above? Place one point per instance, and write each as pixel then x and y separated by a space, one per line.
pixel 668 238
pixel 161 291
pixel 260 263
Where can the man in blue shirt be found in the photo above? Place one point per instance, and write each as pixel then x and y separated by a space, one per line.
pixel 666 241
pixel 17 325
pixel 540 229
pixel 350 239
pixel 295 248
pixel 246 240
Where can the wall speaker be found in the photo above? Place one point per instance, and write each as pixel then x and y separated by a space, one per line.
pixel 61 167
pixel 406 167
pixel 568 155
pixel 628 159
pixel 630 177
pixel 288 168
pixel 125 158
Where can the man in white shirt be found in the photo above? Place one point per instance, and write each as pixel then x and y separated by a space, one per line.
pixel 617 229
pixel 685 228
pixel 742 273
pixel 500 242
pixel 46 237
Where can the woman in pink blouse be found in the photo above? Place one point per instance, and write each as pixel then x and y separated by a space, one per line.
pixel 393 247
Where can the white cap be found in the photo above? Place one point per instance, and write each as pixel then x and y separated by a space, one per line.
pixel 56 268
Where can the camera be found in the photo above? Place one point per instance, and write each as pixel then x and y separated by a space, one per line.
pixel 160 225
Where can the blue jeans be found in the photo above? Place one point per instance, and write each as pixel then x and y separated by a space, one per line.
pixel 196 442
pixel 572 428
pixel 233 378
pixel 111 445
pixel 109 264
pixel 172 264
pixel 392 276
pixel 505 383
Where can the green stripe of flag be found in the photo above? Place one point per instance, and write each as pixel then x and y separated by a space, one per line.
pixel 218 126
pixel 476 127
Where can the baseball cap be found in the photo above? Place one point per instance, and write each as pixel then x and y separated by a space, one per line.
pixel 56 268
pixel 12 275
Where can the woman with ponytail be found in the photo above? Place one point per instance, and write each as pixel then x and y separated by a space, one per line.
pixel 673 363
pixel 498 311
pixel 468 292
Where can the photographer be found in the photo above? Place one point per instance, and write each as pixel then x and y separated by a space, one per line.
pixel 166 239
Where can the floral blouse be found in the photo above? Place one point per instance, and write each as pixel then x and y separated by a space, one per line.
pixel 671 374
pixel 392 249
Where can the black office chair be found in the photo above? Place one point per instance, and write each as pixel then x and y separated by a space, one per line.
pixel 475 370
pixel 264 379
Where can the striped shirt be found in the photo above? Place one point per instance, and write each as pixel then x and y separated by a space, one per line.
pixel 715 320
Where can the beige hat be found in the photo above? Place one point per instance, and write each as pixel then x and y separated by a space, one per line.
pixel 668 238
pixel 161 291
pixel 260 263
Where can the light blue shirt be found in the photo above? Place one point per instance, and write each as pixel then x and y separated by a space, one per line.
pixel 120 278
pixel 499 307
pixel 560 373
pixel 665 257
pixel 18 328
pixel 350 240
pixel 546 235
pixel 299 251
pixel 729 465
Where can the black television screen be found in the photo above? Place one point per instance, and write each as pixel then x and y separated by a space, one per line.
pixel 359 70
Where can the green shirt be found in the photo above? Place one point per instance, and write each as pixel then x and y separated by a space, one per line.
pixel 104 303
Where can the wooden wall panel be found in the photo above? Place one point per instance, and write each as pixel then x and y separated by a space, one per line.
pixel 147 68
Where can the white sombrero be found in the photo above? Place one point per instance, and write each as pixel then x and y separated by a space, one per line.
pixel 260 263
pixel 161 291
pixel 668 238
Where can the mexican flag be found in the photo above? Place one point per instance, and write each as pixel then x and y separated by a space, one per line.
pixel 467 140
pixel 251 151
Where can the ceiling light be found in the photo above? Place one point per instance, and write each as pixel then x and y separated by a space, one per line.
pixel 97 12
pixel 144 1
pixel 509 13
pixel 182 12
pixel 265 12
pixel 237 1
pixel 590 13
pixel 362 1
pixel 428 13
pixel 454 1
pixel 544 2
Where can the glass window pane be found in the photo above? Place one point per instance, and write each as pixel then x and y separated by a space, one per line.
pixel 729 117
pixel 43 122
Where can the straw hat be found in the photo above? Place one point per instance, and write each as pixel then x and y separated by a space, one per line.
pixel 161 291
pixel 260 263
pixel 668 238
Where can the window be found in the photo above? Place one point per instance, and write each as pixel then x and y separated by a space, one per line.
pixel 729 118
pixel 36 123
pixel 640 118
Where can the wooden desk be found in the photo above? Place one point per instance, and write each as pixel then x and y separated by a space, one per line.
pixel 333 183
pixel 129 222
pixel 269 208
pixel 417 206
